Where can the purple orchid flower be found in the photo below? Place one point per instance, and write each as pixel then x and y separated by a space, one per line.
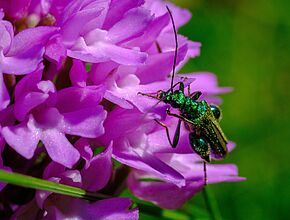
pixel 47 115
pixel 85 64
pixel 140 143
pixel 89 34
pixel 60 207
pixel 19 55
pixel 2 167
pixel 170 196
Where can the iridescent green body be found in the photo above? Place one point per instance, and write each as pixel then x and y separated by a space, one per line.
pixel 206 136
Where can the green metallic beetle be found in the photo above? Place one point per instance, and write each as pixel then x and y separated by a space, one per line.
pixel 201 119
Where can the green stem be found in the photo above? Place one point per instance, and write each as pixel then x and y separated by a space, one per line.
pixel 211 204
pixel 40 184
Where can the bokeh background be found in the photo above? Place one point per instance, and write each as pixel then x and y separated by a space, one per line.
pixel 246 44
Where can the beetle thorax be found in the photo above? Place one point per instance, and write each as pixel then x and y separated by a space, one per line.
pixel 189 108
pixel 194 110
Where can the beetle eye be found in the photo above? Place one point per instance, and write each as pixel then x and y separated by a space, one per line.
pixel 216 111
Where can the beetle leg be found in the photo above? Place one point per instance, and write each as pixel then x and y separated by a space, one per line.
pixel 195 95
pixel 176 134
pixel 178 116
pixel 205 174
pixel 148 95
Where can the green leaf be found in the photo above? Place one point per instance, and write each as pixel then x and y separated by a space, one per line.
pixel 149 180
pixel 175 214
pixel 211 204
pixel 88 67
pixel 40 184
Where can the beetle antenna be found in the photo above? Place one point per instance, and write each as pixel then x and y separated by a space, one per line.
pixel 176 48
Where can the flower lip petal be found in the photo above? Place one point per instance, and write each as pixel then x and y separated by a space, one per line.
pixel 78 74
pixel 73 27
pixel 27 103
pixel 134 22
pixel 84 97
pixel 28 83
pixel 47 118
pixel 87 122
pixel 22 139
pixel 24 64
pixel 6 36
pixel 148 162
pixel 118 9
pixel 95 180
pixel 163 194
pixel 4 96
pixel 102 52
pixel 59 148
pixel 59 207
pixel 148 38
pixel 22 42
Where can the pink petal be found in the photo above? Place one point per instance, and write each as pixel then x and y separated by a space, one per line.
pixel 150 35
pixel 117 100
pixel 55 51
pixel 27 103
pixel 22 139
pixel 101 52
pixel 98 171
pixel 60 207
pixel 28 83
pixel 22 43
pixel 117 10
pixel 165 195
pixel 83 97
pixel 87 122
pixel 4 96
pixel 98 21
pixel 134 22
pixel 6 35
pixel 24 54
pixel 2 144
pixel 153 71
pixel 223 173
pixel 73 27
pixel 26 63
pixel 7 116
pixel 59 148
pixel 180 15
pixel 53 170
pixel 124 56
pixel 149 163
pixel 78 74
pixel 206 83
pixel 101 71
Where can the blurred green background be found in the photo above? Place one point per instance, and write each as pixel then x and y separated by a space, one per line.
pixel 246 43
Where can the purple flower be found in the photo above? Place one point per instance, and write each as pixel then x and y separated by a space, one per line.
pixel 115 208
pixel 47 115
pixel 85 64
pixel 89 34
pixel 2 167
pixel 142 144
pixel 60 207
pixel 19 55
pixel 164 194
